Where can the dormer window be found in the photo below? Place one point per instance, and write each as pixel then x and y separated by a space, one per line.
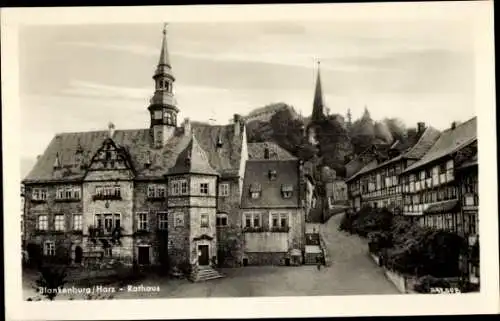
pixel 272 174
pixel 255 191
pixel 147 162
pixel 286 190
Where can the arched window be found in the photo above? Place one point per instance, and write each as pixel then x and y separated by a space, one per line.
pixel 168 118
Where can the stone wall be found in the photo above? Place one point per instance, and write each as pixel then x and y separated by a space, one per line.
pixel 64 240
pixel 229 238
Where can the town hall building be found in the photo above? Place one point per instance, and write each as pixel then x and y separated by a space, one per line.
pixel 167 194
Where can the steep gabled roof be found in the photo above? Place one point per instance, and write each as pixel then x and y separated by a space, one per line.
pixel 192 160
pixel 257 177
pixel 147 161
pixel 256 151
pixel 418 150
pixel 448 142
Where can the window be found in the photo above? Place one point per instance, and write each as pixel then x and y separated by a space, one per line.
pixel 255 190
pixel 174 187
pixel 179 220
pixel 168 118
pixel 77 222
pixel 158 114
pixel 156 191
pixel 49 248
pixel 151 191
pixel 224 189
pixel 279 220
pixel 162 221
pixel 204 220
pixel 39 194
pixel 142 221
pixel 42 223
pixel 184 187
pixel 108 251
pixel 68 193
pixel 221 220
pixel 449 171
pixel 59 222
pixel 107 221
pixel 204 188
pixel 272 175
pixel 286 191
pixel 108 192
pixel 252 219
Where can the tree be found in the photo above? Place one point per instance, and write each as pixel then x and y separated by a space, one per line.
pixel 334 141
pixel 287 130
pixel 382 132
pixel 396 127
pixel 363 133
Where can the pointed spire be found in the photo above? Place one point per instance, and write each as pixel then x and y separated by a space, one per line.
pixel 318 104
pixel 164 56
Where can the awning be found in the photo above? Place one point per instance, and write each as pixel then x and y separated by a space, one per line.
pixel 442 207
pixel 295 252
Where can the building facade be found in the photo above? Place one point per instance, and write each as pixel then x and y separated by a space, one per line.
pixel 377 184
pixel 168 194
pixel 273 211
pixel 143 196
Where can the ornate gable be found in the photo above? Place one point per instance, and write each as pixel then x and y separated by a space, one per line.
pixel 110 162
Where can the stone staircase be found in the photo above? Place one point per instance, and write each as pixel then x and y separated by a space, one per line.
pixel 205 273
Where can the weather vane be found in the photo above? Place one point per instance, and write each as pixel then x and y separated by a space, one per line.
pixel 165 28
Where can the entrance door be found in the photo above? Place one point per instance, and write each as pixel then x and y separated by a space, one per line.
pixel 78 254
pixel 143 255
pixel 203 257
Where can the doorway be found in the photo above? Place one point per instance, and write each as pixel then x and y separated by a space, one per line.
pixel 143 255
pixel 78 254
pixel 203 256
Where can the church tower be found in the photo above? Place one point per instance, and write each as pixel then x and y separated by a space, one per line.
pixel 162 108
pixel 318 112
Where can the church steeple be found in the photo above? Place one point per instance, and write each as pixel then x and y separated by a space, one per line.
pixel 318 104
pixel 162 108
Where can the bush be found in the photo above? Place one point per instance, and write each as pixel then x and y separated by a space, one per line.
pixel 378 241
pixel 50 280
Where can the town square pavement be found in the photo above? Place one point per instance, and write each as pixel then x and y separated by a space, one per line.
pixel 352 272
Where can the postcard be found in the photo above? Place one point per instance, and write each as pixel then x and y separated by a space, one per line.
pixel 250 161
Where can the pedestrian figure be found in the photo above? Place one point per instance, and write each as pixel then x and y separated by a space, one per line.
pixel 318 262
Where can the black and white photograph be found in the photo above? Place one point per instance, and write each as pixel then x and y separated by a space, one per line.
pixel 194 158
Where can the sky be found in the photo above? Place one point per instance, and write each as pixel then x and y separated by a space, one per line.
pixel 80 78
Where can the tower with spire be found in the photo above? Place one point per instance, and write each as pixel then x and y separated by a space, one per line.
pixel 163 106
pixel 318 112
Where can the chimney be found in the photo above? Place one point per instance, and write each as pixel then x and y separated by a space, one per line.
pixel 187 126
pixel 111 130
pixel 453 125
pixel 420 127
pixel 237 125
pixel 266 152
pixel 38 157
